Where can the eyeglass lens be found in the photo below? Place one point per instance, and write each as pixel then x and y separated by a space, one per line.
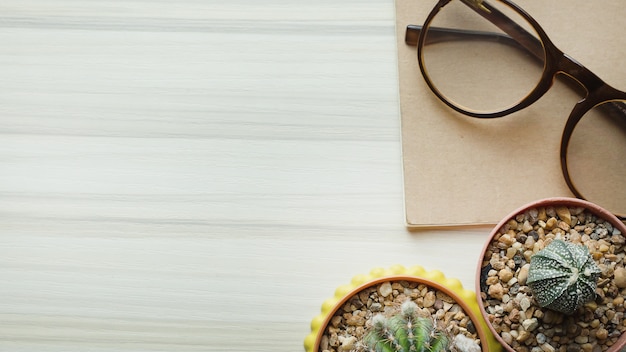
pixel 595 156
pixel 474 65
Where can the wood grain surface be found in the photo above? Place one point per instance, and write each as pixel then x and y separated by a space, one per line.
pixel 198 175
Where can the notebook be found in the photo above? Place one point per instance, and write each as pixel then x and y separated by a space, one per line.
pixel 464 171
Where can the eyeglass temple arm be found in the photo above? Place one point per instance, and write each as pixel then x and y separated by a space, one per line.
pixel 440 34
pixel 502 21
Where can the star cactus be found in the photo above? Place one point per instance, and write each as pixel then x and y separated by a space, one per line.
pixel 563 276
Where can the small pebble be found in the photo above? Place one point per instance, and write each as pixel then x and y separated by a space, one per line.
pixel 524 304
pixel 541 338
pixel 587 347
pixel 574 348
pixel 530 242
pixel 527 227
pixel 356 320
pixel 530 324
pixel 527 255
pixel 511 252
pixel 506 298
pixel 376 307
pixel 348 343
pixel 551 223
pixel 506 336
pixel 492 280
pixel 602 334
pixel 620 277
pixel 335 321
pixel 505 274
pixel 385 289
pixel 523 274
pixel 498 265
pixel 581 339
pixel 429 299
pixel 523 336
pixel 564 214
pixel 514 315
pixel 563 226
pixel 506 240
pixel 496 291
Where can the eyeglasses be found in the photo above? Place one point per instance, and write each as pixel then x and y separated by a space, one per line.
pixel 490 59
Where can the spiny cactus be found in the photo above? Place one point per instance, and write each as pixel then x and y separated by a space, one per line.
pixel 563 276
pixel 405 332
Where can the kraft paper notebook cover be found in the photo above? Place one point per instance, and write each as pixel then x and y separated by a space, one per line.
pixel 460 170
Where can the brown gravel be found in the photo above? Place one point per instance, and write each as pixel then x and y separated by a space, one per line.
pixel 352 321
pixel 514 313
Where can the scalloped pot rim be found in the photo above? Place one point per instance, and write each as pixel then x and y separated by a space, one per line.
pixel 465 298
pixel 576 202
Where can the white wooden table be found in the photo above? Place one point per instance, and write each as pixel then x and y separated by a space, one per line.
pixel 198 175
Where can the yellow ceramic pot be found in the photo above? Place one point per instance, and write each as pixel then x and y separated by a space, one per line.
pixel 434 279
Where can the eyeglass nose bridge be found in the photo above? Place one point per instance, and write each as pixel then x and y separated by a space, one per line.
pixel 568 66
pixel 594 89
pixel 591 87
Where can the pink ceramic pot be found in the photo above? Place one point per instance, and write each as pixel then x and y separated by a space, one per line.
pixel 495 234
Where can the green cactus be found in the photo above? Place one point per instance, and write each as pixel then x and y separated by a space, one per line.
pixel 563 276
pixel 405 331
